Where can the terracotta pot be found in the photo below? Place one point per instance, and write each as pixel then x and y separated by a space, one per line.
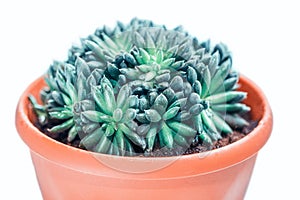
pixel 64 172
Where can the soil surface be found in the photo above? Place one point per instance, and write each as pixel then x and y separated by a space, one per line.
pixel 177 150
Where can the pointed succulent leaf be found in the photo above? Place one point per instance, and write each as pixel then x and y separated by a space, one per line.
pixel 169 94
pixel 159 56
pixel 150 138
pixel 103 145
pixel 166 136
pixel 120 142
pixel 92 139
pixel 133 101
pixel 141 117
pixel 130 59
pixel 109 98
pixel 213 63
pixel 230 83
pixel 196 109
pixel 231 108
pixel 57 97
pixel 130 73
pixel 167 63
pixel 117 115
pixel 198 123
pixel 132 125
pixel 173 50
pixel 72 133
pixel 152 96
pixel 95 48
pixel 132 136
pixel 144 68
pixel 220 124
pixel 62 127
pixel 177 65
pixel 180 102
pixel 81 87
pixel 171 113
pixel 179 94
pixel 149 41
pixel 163 77
pixel 138 40
pixel 64 114
pixel 99 99
pixel 188 89
pixel 152 115
pixel 109 131
pixel 181 141
pixel 219 77
pixel 182 129
pixel 123 95
pixel 197 87
pixel 236 121
pixel 110 43
pixel 206 140
pixel 208 122
pixel 113 70
pixel 96 116
pixel 90 127
pixel 206 82
pixel 143 129
pixel 183 116
pixel 231 96
pixel 114 146
pixel 194 98
pixel 176 83
pixel 71 91
pixel 82 67
pixel 129 115
pixel 191 75
pixel 148 76
pixel 161 102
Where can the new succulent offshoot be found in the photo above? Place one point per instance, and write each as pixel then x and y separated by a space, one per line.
pixel 141 87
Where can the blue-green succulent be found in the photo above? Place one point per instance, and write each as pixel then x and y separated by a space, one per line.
pixel 141 87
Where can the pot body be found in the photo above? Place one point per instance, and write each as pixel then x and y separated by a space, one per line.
pixel 60 183
pixel 64 172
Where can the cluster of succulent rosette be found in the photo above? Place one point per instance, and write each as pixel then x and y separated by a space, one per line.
pixel 142 87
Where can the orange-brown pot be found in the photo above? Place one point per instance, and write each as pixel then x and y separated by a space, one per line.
pixel 64 172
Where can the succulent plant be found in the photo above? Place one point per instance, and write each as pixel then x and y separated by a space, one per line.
pixel 142 87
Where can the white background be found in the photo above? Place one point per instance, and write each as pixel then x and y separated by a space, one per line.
pixel 263 36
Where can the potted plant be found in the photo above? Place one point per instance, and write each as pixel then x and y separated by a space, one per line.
pixel 141 111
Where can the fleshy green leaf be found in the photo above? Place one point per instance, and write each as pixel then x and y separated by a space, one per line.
pixel 135 138
pixel 62 127
pixel 231 96
pixel 160 102
pixel 236 108
pixel 150 138
pixel 103 145
pixel 123 96
pixel 96 116
pixel 172 112
pixel 166 136
pixel 206 82
pixel 220 124
pixel 152 115
pixel 181 129
pixel 92 139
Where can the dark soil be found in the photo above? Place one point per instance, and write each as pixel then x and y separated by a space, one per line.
pixel 177 150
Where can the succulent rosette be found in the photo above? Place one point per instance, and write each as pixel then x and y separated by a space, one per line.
pixel 141 87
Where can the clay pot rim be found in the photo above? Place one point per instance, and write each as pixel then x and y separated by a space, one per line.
pixel 193 164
